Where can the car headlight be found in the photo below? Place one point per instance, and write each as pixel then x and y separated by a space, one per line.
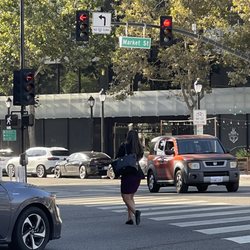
pixel 233 164
pixel 194 165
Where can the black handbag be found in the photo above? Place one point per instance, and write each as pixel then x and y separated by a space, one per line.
pixel 125 165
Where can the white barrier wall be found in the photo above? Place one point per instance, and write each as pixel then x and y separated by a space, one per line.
pixel 142 103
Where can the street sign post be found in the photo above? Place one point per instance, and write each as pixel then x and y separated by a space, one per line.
pixel 135 42
pixel 101 23
pixel 9 135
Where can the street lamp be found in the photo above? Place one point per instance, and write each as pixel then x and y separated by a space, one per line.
pixel 102 97
pixel 8 103
pixel 197 89
pixel 91 103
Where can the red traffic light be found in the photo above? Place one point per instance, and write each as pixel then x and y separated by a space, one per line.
pixel 166 36
pixel 83 17
pixel 167 23
pixel 82 25
pixel 29 77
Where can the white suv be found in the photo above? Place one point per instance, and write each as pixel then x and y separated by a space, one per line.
pixel 5 155
pixel 41 160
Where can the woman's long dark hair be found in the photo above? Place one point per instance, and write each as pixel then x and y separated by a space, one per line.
pixel 133 140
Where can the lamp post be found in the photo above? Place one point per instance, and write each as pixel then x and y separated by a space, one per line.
pixel 8 103
pixel 102 97
pixel 91 103
pixel 197 89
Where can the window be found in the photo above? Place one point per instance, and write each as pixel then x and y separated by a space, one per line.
pixel 200 146
pixel 59 152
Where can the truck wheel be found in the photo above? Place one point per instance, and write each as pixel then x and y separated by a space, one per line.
pixel 180 185
pixel 152 184
pixel 202 187
pixel 232 186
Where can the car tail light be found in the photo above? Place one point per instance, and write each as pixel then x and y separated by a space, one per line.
pixel 53 158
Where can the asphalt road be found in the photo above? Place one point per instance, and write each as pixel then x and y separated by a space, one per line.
pixel 93 217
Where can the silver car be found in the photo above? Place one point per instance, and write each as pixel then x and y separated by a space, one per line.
pixel 29 216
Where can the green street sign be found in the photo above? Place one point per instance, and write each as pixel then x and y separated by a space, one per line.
pixel 135 42
pixel 9 135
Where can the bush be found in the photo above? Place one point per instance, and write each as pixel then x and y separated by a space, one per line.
pixel 243 152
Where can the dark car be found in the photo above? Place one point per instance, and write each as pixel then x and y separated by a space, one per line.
pixel 191 160
pixel 84 164
pixel 29 216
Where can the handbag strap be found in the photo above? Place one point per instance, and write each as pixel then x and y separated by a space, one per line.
pixel 125 146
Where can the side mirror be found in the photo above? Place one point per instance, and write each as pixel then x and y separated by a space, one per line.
pixel 23 161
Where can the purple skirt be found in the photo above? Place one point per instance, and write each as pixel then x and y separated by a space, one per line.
pixel 130 184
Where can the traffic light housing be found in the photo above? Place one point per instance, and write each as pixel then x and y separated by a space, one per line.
pixel 24 87
pixel 166 35
pixel 82 25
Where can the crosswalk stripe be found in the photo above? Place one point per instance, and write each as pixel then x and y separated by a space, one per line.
pixel 96 199
pixel 153 206
pixel 220 230
pixel 191 210
pixel 119 201
pixel 211 222
pixel 240 239
pixel 169 206
pixel 186 216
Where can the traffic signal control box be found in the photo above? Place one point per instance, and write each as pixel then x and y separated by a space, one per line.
pixel 166 36
pixel 82 25
pixel 24 87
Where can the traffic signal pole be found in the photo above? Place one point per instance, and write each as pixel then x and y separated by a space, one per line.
pixel 22 65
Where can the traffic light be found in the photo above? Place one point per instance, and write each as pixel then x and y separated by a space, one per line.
pixel 24 87
pixel 82 25
pixel 166 36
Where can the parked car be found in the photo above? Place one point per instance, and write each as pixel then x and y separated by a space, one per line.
pixel 5 155
pixel 29 216
pixel 191 160
pixel 83 164
pixel 41 160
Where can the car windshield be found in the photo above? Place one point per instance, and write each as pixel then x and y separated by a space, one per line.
pixel 199 146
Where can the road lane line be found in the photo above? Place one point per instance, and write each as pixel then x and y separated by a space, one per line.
pixel 189 216
pixel 179 205
pixel 221 230
pixel 210 222
pixel 192 210
pixel 240 239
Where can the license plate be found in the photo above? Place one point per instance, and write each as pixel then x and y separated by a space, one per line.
pixel 216 179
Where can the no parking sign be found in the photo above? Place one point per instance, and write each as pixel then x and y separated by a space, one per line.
pixel 200 117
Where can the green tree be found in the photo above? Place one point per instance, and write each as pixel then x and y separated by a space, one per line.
pixel 49 36
pixel 182 63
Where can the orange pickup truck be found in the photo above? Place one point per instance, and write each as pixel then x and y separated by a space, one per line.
pixel 191 160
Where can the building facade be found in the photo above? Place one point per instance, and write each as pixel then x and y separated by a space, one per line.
pixel 65 119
